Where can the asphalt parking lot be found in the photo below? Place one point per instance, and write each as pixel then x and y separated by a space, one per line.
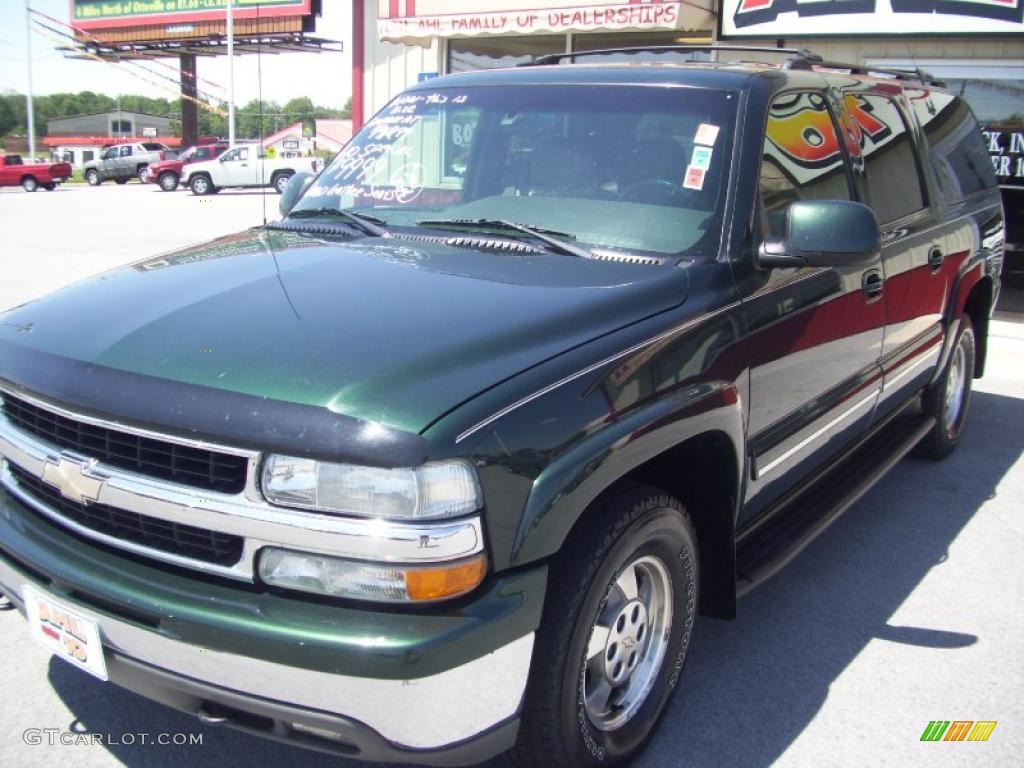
pixel 907 610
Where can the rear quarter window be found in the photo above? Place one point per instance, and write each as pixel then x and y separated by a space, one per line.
pixel 152 147
pixel 958 150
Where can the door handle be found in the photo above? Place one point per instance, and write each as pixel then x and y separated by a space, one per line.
pixel 872 284
pixel 935 258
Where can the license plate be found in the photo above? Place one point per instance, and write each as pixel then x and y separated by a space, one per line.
pixel 64 632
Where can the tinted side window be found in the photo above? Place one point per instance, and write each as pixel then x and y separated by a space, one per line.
pixel 801 158
pixel 892 177
pixel 959 153
pixel 126 151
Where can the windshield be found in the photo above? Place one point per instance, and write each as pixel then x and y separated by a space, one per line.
pixel 631 167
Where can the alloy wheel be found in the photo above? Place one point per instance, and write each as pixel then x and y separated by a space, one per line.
pixel 627 643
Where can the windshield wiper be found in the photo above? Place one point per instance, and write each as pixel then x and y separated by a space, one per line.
pixel 550 237
pixel 368 225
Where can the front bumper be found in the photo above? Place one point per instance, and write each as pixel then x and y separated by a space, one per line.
pixel 443 687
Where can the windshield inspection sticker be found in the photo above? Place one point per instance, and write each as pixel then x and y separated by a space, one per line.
pixel 694 178
pixel 701 158
pixel 706 134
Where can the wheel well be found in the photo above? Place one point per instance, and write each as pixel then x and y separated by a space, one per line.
pixel 27 176
pixel 978 307
pixel 282 172
pixel 702 473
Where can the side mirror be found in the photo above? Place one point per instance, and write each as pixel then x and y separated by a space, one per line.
pixel 824 233
pixel 293 190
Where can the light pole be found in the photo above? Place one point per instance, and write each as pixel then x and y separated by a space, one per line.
pixel 231 73
pixel 28 96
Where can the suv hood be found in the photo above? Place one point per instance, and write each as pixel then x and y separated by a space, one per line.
pixel 391 331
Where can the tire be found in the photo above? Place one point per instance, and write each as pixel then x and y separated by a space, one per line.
pixel 596 646
pixel 168 181
pixel 142 173
pixel 280 181
pixel 50 186
pixel 948 400
pixel 93 177
pixel 121 181
pixel 201 185
pixel 29 184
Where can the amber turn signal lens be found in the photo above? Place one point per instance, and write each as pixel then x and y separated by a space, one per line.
pixel 445 581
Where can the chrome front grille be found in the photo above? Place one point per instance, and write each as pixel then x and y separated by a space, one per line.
pixel 195 467
pixel 174 538
pixel 94 495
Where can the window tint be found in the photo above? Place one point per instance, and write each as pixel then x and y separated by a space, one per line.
pixel 126 151
pixel 958 148
pixel 801 157
pixel 891 175
pixel 202 153
pixel 152 146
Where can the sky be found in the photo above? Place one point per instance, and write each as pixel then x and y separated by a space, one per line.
pixel 325 78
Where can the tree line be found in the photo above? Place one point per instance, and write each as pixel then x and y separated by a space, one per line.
pixel 247 117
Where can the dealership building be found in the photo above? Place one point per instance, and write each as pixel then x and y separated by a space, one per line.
pixel 974 45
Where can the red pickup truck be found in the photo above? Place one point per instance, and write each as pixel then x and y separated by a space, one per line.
pixel 167 173
pixel 14 171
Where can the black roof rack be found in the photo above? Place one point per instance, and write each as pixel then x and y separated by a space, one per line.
pixel 796 58
pixel 916 75
pixel 556 58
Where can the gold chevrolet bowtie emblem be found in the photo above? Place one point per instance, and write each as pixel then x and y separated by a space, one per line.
pixel 69 477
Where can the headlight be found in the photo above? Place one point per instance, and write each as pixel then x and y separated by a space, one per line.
pixel 434 491
pixel 325 575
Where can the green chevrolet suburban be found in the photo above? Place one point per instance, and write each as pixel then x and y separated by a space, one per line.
pixel 547 362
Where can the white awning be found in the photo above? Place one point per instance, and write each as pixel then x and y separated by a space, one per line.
pixel 416 21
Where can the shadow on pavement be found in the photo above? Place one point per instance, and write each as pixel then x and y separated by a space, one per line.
pixel 751 685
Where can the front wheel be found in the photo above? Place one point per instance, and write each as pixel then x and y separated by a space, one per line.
pixel 947 401
pixel 617 626
pixel 168 181
pixel 93 177
pixel 29 184
pixel 142 172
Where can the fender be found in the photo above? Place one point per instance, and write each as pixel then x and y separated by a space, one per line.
pixel 972 273
pixel 570 483
pixel 979 230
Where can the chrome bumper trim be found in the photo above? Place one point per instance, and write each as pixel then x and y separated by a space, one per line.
pixel 422 713
pixel 245 514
